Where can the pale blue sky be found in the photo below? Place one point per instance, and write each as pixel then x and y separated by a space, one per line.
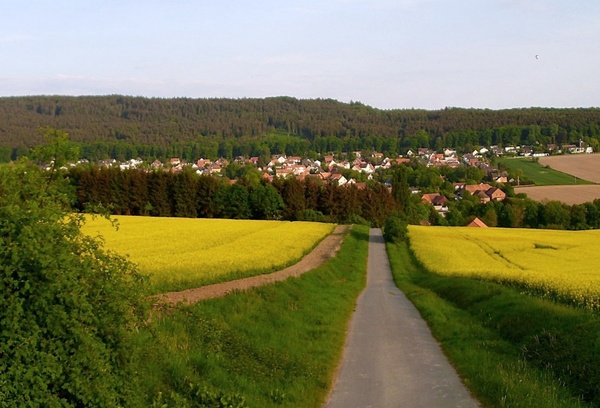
pixel 385 53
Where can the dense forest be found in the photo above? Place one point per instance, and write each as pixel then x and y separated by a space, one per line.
pixel 123 127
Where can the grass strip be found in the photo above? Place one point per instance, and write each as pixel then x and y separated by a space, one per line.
pixel 511 349
pixel 277 345
pixel 540 175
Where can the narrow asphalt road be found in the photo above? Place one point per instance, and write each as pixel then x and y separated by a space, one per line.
pixel 391 358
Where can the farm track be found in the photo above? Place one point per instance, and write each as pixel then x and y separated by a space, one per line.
pixel 325 250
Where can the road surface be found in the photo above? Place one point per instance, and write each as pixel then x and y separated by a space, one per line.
pixel 391 358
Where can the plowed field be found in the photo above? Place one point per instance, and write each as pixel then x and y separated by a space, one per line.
pixel 583 166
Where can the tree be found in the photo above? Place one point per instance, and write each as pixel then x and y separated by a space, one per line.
pixel 292 193
pixel 396 228
pixel 207 205
pixel 265 202
pixel 400 189
pixel 68 307
pixel 555 215
pixel 234 202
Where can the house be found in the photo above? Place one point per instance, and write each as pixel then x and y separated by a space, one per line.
pixel 402 160
pixel 483 197
pixel 202 163
pixel 477 223
pixel 449 152
pixel 484 192
pixel 338 178
pixel 496 150
pixel 495 194
pixel 474 188
pixel 377 156
pixel 424 152
pixel 470 160
pixel 285 172
pixel 294 160
pixel 328 160
pixel 526 151
pixel 500 177
pixel 438 201
pixel 367 168
pixel 581 148
pixel 434 199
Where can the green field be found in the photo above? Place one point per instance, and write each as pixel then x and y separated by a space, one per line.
pixel 274 346
pixel 534 172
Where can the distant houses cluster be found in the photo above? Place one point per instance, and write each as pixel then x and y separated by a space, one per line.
pixel 332 169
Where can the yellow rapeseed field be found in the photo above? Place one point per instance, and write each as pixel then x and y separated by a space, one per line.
pixel 180 252
pixel 557 264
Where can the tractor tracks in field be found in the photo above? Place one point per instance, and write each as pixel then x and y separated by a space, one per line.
pixel 325 250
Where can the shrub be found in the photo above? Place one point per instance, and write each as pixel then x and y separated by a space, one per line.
pixel 67 308
pixel 395 228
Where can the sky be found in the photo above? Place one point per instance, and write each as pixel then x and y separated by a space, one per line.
pixel 389 54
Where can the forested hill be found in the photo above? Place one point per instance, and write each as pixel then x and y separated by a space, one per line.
pixel 318 125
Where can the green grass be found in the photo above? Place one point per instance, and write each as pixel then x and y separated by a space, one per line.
pixel 278 345
pixel 538 174
pixel 512 350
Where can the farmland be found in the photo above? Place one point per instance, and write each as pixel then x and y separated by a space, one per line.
pixel 554 264
pixel 561 178
pixel 541 175
pixel 179 253
pixel 570 195
pixel 583 166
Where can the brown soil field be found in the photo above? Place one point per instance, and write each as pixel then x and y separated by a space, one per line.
pixel 576 194
pixel 583 166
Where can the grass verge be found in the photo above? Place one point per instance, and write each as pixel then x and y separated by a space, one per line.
pixel 278 345
pixel 540 175
pixel 512 350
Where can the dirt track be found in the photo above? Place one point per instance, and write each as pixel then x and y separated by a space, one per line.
pixel 322 252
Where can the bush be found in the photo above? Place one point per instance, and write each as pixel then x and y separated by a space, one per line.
pixel 311 215
pixel 395 228
pixel 67 308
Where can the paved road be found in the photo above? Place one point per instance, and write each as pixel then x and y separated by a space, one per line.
pixel 391 358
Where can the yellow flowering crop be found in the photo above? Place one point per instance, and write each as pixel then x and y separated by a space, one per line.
pixel 179 252
pixel 556 264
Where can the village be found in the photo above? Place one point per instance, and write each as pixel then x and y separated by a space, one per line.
pixel 331 169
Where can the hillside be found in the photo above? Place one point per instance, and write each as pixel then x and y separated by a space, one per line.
pixel 314 125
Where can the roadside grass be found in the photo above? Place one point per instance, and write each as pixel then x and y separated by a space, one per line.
pixel 540 175
pixel 511 349
pixel 277 345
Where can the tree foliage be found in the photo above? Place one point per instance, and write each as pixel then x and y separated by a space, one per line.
pixel 67 307
pixel 124 127
pixel 396 228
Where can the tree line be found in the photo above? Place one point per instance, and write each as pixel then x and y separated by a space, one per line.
pixel 187 194
pixel 123 127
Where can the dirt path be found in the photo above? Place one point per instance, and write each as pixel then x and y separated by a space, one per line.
pixel 322 252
